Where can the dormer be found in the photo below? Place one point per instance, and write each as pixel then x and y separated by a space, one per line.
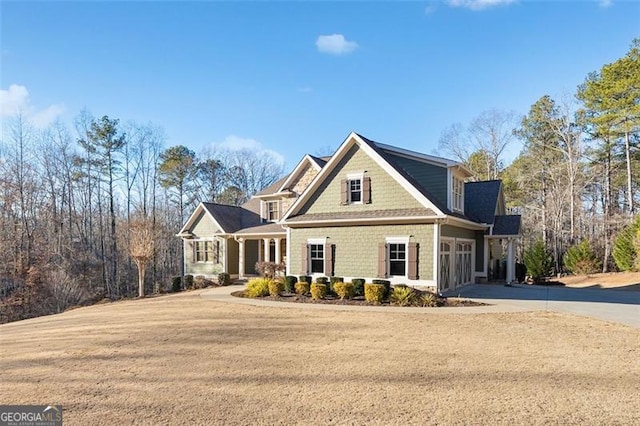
pixel 270 210
pixel 456 191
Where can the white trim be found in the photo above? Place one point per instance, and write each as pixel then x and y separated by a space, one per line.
pixel 353 177
pixel 287 243
pixel 436 251
pixel 316 242
pixel 352 139
pixel 398 240
pixel 226 255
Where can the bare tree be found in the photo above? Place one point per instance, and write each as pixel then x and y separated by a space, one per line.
pixel 142 245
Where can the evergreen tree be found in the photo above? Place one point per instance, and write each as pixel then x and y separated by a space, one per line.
pixel 538 261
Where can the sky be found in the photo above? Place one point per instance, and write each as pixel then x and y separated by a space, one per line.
pixel 297 77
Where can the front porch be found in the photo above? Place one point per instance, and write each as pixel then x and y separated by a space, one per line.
pixel 264 243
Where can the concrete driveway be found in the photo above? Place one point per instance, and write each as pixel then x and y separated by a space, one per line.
pixel 607 304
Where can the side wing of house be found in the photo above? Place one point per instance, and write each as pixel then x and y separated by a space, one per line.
pixel 208 250
pixel 361 219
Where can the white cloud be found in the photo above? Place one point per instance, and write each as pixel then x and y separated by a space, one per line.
pixel 431 8
pixel 237 143
pixel 305 89
pixel 15 100
pixel 605 3
pixel 335 44
pixel 478 4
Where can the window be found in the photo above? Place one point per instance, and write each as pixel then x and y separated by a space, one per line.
pixel 316 257
pixel 457 201
pixel 272 214
pixel 397 259
pixel 355 190
pixel 204 251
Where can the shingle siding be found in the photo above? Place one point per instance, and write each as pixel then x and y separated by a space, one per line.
pixel 356 255
pixel 386 192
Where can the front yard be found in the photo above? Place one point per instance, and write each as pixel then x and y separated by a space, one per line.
pixel 180 359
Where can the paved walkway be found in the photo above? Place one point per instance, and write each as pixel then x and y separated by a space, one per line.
pixel 611 305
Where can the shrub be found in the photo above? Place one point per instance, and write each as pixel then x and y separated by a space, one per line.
pixel 344 290
pixel 374 293
pixel 358 286
pixel 276 287
pixel 188 282
pixel 176 284
pixel 386 284
pixel 402 296
pixel 538 261
pixel 334 280
pixel 521 272
pixel 289 283
pixel 258 287
pixel 429 300
pixel 199 281
pixel 304 279
pixel 625 247
pixel 322 280
pixel 269 269
pixel 224 278
pixel 302 287
pixel 580 259
pixel 318 291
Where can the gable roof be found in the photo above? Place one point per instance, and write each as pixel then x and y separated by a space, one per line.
pixel 420 193
pixel 229 219
pixel 315 162
pixel 273 188
pixel 481 199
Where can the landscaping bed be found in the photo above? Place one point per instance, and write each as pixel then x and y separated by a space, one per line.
pixel 335 291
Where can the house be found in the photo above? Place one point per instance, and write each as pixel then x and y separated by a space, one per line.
pixel 369 211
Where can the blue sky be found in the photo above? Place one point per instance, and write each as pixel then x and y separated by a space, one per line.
pixel 297 77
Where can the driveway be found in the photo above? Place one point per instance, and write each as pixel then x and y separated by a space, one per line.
pixel 606 304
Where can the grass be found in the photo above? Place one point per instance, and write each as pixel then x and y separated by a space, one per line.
pixel 180 359
pixel 629 281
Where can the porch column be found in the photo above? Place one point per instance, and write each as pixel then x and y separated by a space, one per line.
pixel 241 258
pixel 267 251
pixel 278 258
pixel 511 262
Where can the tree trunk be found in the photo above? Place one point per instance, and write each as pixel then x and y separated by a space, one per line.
pixel 627 150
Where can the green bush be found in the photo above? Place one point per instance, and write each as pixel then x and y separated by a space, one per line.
pixel 276 287
pixel 258 287
pixel 386 284
pixel 318 291
pixel 302 287
pixel 538 261
pixel 188 282
pixel 625 247
pixel 304 279
pixel 580 259
pixel 402 296
pixel 334 280
pixel 289 283
pixel 344 290
pixel 358 285
pixel 176 284
pixel 322 280
pixel 374 293
pixel 224 279
pixel 429 300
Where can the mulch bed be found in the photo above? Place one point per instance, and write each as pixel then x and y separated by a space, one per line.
pixel 357 301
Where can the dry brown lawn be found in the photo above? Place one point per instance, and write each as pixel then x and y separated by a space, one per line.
pixel 612 280
pixel 183 360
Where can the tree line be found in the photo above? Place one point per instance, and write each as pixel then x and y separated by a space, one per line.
pixel 76 202
pixel 575 181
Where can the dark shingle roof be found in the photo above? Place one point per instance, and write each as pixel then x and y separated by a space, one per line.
pixel 267 228
pixel 232 218
pixel 320 161
pixel 481 199
pixel 507 225
pixel 273 188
